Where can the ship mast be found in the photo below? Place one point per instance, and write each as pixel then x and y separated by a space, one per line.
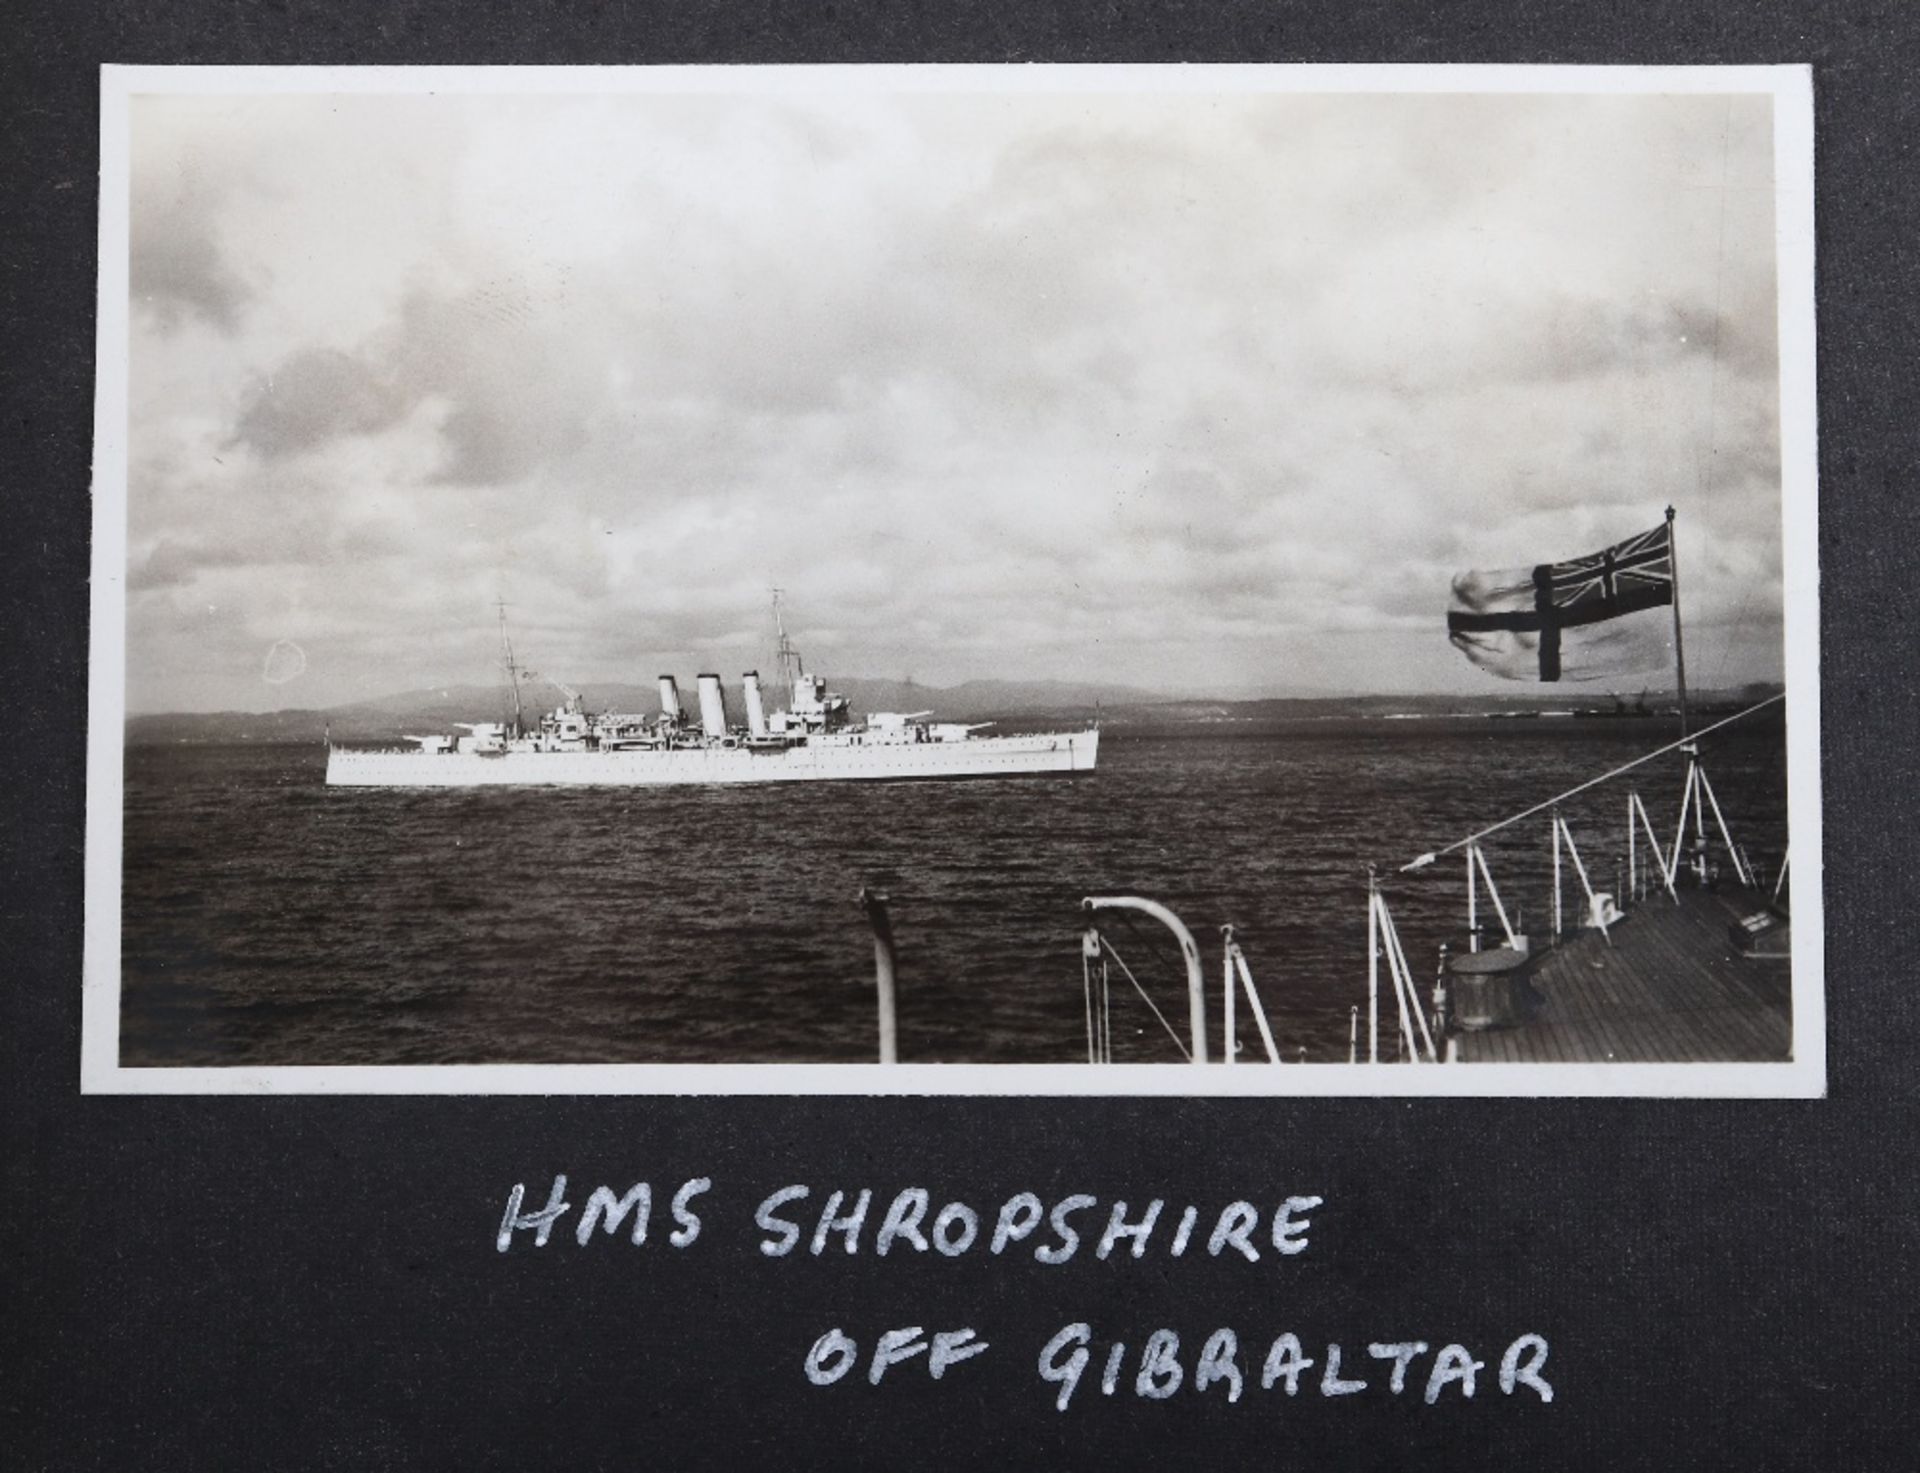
pixel 786 657
pixel 513 671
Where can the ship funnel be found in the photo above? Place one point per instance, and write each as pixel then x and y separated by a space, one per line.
pixel 713 707
pixel 670 698
pixel 756 712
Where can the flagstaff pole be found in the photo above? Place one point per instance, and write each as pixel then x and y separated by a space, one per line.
pixel 1679 644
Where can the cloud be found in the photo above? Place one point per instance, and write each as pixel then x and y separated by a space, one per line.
pixel 166 565
pixel 1569 340
pixel 1166 390
pixel 315 395
pixel 177 270
pixel 517 376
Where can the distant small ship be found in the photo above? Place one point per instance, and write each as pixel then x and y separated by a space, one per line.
pixel 814 739
pixel 1619 710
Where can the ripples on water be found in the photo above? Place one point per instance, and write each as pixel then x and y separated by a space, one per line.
pixel 272 920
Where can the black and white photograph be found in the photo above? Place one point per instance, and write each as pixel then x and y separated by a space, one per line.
pixel 955 579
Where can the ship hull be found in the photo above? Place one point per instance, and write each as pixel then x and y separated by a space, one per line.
pixel 1010 756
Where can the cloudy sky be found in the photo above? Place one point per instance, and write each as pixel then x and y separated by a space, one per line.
pixel 1180 391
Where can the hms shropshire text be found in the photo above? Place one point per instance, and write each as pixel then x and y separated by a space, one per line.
pixel 798 1221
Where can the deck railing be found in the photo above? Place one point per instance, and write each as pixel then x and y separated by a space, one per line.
pixel 1697 801
pixel 1099 957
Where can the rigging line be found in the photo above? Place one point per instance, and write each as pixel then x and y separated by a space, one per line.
pixel 1152 945
pixel 1159 958
pixel 1733 629
pixel 1743 796
pixel 1184 1053
pixel 1686 741
pixel 1719 280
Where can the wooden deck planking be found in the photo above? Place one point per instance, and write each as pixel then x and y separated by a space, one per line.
pixel 1694 946
pixel 1617 1043
pixel 1583 1006
pixel 1672 987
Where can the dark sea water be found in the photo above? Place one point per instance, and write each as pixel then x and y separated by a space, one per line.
pixel 272 920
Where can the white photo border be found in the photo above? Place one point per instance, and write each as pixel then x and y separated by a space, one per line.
pixel 1804 1076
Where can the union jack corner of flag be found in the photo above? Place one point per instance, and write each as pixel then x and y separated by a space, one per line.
pixel 1631 575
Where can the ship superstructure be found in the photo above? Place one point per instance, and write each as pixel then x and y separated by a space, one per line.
pixel 814 738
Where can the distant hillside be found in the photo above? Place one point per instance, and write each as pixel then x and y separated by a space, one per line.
pixel 1270 712
pixel 390 717
pixel 975 699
